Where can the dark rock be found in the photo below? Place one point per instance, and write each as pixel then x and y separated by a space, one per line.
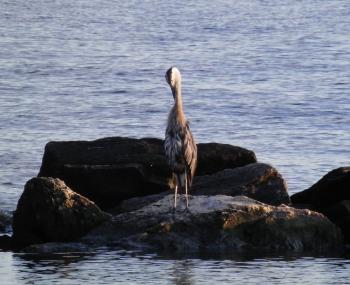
pixel 136 203
pixel 340 215
pixel 110 170
pixel 330 196
pixel 258 181
pixel 333 188
pixel 49 211
pixel 5 242
pixel 214 157
pixel 53 247
pixel 220 224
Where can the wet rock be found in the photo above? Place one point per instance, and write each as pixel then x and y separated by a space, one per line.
pixel 49 211
pixel 330 196
pixel 110 170
pixel 218 223
pixel 333 188
pixel 136 203
pixel 214 157
pixel 259 181
pixel 5 242
pixel 54 247
pixel 340 214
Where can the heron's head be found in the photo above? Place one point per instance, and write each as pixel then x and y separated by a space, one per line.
pixel 173 78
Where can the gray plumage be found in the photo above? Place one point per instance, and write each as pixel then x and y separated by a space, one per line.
pixel 180 147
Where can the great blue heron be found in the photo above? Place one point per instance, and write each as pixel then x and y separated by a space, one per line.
pixel 180 147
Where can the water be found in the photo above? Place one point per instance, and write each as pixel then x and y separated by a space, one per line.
pixel 271 76
pixel 121 267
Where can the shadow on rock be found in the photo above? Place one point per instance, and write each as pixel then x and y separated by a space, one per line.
pixel 330 196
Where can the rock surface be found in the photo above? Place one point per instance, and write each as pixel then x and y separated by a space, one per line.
pixel 259 181
pixel 110 170
pixel 330 196
pixel 333 188
pixel 5 242
pixel 218 223
pixel 340 215
pixel 49 211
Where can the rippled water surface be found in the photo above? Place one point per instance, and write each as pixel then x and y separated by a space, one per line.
pixel 120 267
pixel 271 76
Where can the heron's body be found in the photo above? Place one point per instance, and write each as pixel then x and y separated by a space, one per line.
pixel 180 147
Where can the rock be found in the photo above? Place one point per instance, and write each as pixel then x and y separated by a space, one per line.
pixel 330 196
pixel 333 188
pixel 110 170
pixel 48 211
pixel 136 203
pixel 259 181
pixel 340 215
pixel 214 157
pixel 5 242
pixel 218 224
pixel 54 247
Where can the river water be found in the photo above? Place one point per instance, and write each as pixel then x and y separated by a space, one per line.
pixel 271 76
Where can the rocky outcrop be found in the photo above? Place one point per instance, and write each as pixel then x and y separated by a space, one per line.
pixel 330 196
pixel 259 181
pixel 49 211
pixel 340 215
pixel 5 242
pixel 136 203
pixel 110 170
pixel 218 223
pixel 214 157
pixel 133 174
pixel 333 188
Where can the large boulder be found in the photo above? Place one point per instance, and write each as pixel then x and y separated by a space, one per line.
pixel 218 223
pixel 110 170
pixel 49 211
pixel 259 181
pixel 330 196
pixel 331 189
pixel 340 215
pixel 5 242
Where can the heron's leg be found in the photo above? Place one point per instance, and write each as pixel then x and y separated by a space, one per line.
pixel 186 191
pixel 175 196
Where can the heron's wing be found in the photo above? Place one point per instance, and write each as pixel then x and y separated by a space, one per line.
pixel 173 149
pixel 189 150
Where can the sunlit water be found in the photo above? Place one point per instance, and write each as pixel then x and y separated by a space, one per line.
pixel 271 76
pixel 120 267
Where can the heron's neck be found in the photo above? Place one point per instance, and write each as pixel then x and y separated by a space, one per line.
pixel 178 98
